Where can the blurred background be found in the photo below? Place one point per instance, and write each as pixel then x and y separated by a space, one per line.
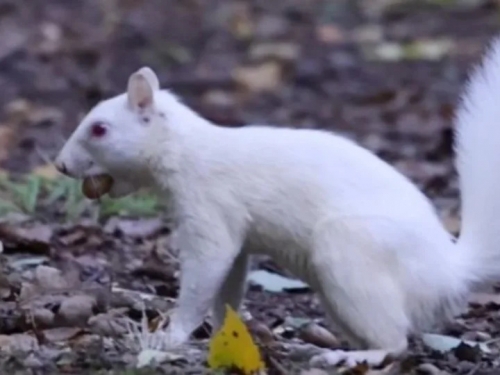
pixel 386 72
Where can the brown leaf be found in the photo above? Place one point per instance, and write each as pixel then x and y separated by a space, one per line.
pixel 76 310
pixel 260 330
pixel 42 318
pixel 330 34
pixel 285 51
pixel 61 333
pixel 108 324
pixel 79 234
pixel 264 77
pixel 6 137
pixel 28 290
pixel 49 278
pixel 18 342
pixel 34 238
pixel 37 232
pixel 319 336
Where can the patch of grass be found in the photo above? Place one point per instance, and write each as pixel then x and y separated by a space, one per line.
pixel 32 194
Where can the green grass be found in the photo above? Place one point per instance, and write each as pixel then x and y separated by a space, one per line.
pixel 33 195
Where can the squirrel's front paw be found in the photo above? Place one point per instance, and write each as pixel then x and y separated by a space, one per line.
pixel 173 337
pixel 348 358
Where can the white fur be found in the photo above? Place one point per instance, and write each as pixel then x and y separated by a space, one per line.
pixel 360 233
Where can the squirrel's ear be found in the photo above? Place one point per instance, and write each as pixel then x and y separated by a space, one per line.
pixel 139 91
pixel 151 77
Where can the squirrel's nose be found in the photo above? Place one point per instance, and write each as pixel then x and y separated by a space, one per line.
pixel 61 167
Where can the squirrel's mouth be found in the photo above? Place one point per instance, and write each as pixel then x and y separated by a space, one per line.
pixel 95 186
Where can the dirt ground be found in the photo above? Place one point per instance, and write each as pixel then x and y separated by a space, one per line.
pixel 387 75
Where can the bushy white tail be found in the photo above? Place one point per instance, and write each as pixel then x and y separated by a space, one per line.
pixel 478 163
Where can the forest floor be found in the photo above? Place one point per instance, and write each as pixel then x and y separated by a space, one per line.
pixel 72 271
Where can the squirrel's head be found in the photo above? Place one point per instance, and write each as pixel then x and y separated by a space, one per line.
pixel 113 137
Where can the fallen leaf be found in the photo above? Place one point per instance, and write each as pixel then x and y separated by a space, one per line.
pixel 36 232
pixel 264 77
pixel 18 342
pixel 444 343
pixel 330 34
pixel 42 318
pixel 273 282
pixel 260 331
pixel 386 51
pixel 428 49
pixel 28 290
pixel 61 333
pixel 49 278
pixel 72 238
pixel 108 325
pixel 286 51
pixel 319 336
pixel 34 238
pixel 302 352
pixel 233 347
pixel 6 136
pixel 219 98
pixel 430 369
pixel 76 310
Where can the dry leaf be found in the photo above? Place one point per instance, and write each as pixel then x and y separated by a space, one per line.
pixel 77 310
pixel 279 50
pixel 265 77
pixel 36 232
pixel 61 333
pixel 34 238
pixel 49 278
pixel 319 336
pixel 233 347
pixel 108 325
pixel 331 34
pixel 6 136
pixel 18 342
pixel 42 318
pixel 28 290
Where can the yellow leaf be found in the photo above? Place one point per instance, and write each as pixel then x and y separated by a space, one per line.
pixel 233 347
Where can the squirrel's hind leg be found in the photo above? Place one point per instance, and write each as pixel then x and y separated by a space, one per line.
pixel 361 293
pixel 373 327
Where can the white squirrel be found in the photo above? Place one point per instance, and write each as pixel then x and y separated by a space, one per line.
pixel 359 232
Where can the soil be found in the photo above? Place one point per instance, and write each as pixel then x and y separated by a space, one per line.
pixel 301 63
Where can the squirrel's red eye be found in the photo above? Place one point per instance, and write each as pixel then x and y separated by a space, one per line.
pixel 98 129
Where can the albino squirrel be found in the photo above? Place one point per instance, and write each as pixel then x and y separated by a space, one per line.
pixel 355 229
